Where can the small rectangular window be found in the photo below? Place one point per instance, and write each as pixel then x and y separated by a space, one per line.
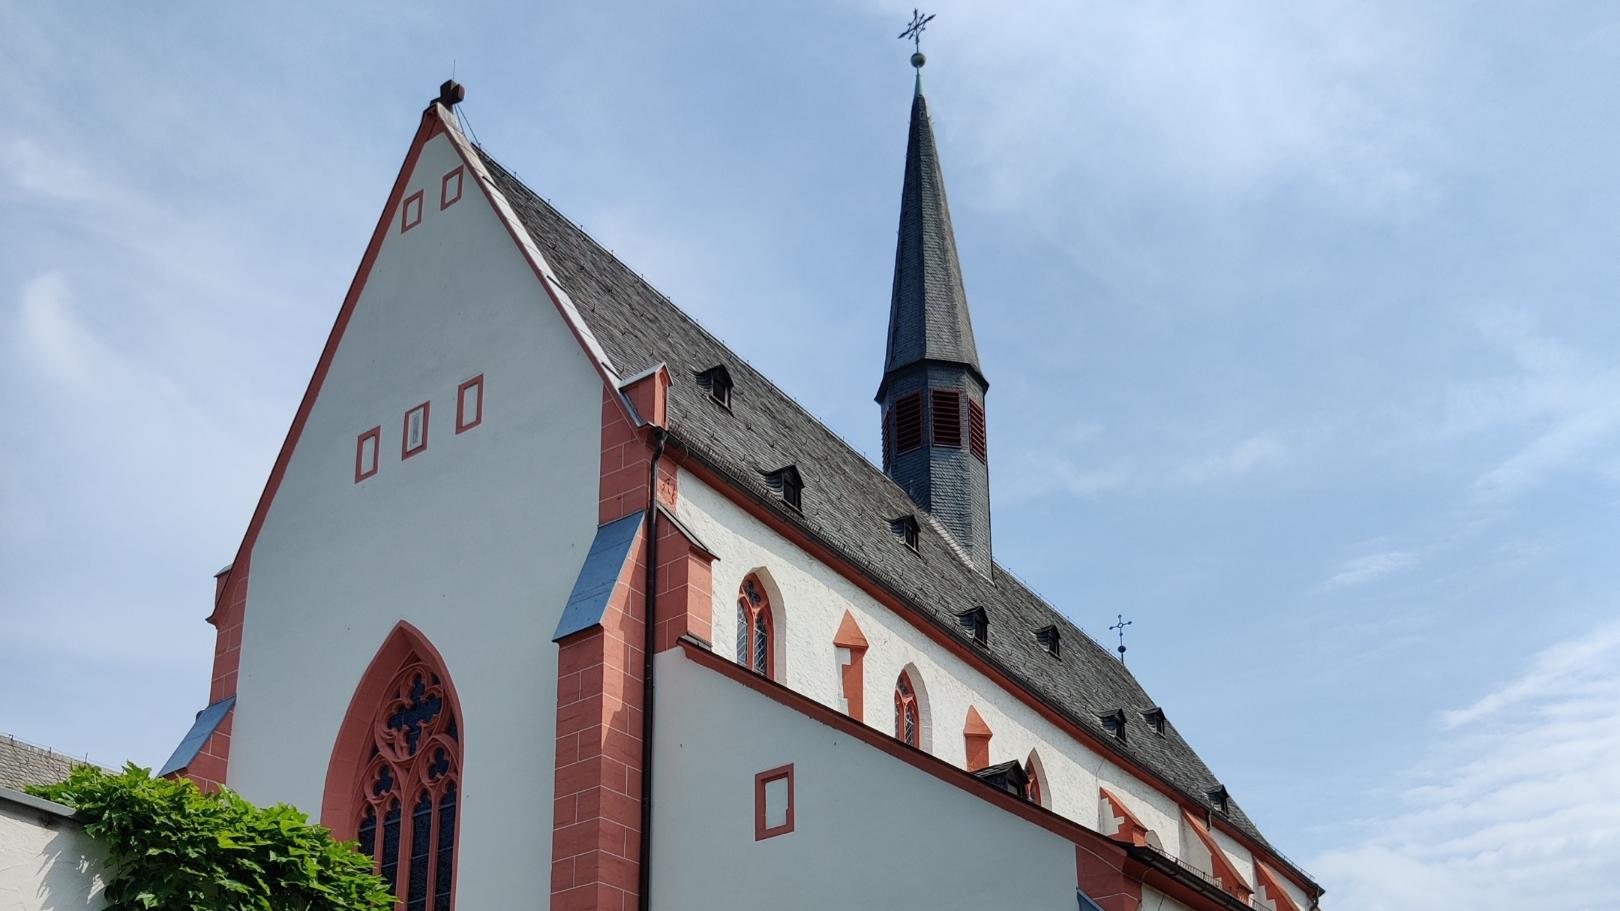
pixel 947 417
pixel 414 437
pixel 365 454
pixel 470 404
pixel 773 803
pixel 977 441
pixel 908 424
pixel 410 214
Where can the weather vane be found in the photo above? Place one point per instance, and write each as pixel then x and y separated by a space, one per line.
pixel 914 31
pixel 1119 627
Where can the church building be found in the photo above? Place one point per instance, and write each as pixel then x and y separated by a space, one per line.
pixel 551 597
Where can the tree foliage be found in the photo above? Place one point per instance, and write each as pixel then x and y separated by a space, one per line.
pixel 173 847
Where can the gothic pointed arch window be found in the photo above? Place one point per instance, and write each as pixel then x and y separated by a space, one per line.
pixel 756 642
pixel 907 720
pixel 394 781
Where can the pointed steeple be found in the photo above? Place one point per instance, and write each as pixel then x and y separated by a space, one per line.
pixel 935 443
pixel 928 310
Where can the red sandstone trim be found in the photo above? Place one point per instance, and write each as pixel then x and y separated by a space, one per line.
pixel 953 644
pixel 405 451
pixel 761 830
pixel 447 198
pixel 1265 879
pixel 464 422
pixel 430 127
pixel 977 736
pixel 410 214
pixel 853 674
pixel 349 753
pixel 1131 830
pixel 1226 874
pixel 374 435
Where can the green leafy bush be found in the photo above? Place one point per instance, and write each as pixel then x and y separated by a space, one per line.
pixel 172 847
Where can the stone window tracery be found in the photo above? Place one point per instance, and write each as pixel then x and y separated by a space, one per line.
pixel 755 633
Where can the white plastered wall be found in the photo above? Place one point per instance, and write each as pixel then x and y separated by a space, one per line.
pixel 475 541
pixel 46 860
pixel 870 830
pixel 814 597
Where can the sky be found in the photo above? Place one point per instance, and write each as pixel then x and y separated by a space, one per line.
pixel 1301 322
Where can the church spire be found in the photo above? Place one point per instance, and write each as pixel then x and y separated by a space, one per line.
pixel 933 391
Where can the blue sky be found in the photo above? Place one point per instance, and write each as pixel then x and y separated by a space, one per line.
pixel 1301 324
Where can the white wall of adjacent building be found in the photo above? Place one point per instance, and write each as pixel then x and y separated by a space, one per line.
pixel 46 859
pixel 870 830
pixel 476 541
pixel 810 598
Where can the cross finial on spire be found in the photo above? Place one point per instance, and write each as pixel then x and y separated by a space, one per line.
pixel 451 93
pixel 914 31
pixel 1119 627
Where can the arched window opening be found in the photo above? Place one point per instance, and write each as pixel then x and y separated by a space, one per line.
pixel 755 639
pixel 414 762
pixel 394 780
pixel 907 721
pixel 1037 779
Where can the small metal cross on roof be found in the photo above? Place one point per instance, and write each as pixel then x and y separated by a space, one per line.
pixel 915 29
pixel 1119 627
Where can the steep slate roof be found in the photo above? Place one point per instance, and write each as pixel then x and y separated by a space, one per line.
pixel 848 502
pixel 23 764
pixel 928 313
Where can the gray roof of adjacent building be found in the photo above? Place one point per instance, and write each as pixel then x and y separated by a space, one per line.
pixel 23 764
pixel 849 503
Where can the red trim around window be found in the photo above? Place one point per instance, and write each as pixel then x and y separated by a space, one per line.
pixel 463 421
pixel 410 214
pixel 446 197
pixel 907 721
pixel 405 451
pixel 762 831
pixel 374 435
pixel 754 604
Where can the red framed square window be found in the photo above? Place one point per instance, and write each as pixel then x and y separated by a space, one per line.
pixel 366 450
pixel 450 187
pixel 773 802
pixel 410 214
pixel 470 404
pixel 414 436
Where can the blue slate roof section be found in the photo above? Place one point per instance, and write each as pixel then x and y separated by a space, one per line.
pixel 603 563
pixel 207 722
pixel 1086 904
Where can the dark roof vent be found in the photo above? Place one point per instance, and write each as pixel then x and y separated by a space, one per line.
pixel 1008 776
pixel 1218 797
pixel 907 528
pixel 1114 723
pixel 1050 639
pixel 977 622
pixel 1155 719
pixel 717 380
pixel 787 482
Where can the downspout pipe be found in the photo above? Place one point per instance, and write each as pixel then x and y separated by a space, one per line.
pixel 649 643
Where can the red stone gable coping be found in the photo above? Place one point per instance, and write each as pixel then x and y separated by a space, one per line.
pixel 1226 874
pixel 1131 830
pixel 703 471
pixel 1104 869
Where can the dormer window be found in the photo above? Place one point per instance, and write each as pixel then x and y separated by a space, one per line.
pixel 717 380
pixel 1114 723
pixel 1050 639
pixel 1008 776
pixel 906 527
pixel 1155 720
pixel 1218 798
pixel 787 482
pixel 977 623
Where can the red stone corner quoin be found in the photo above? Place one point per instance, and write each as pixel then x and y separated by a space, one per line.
pixel 596 811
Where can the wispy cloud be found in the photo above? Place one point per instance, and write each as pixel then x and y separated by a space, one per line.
pixel 1369 568
pixel 1517 806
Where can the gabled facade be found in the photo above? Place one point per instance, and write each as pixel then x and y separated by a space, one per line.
pixel 528 607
